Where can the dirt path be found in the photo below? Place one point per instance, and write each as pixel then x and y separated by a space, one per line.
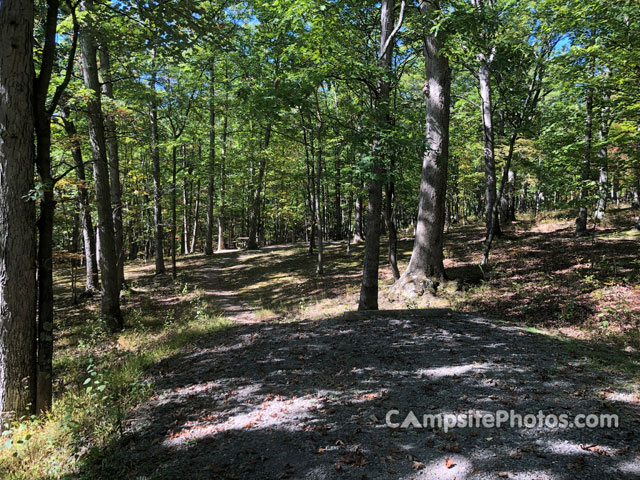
pixel 308 400
pixel 211 279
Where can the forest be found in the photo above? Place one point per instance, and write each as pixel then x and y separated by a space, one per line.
pixel 263 238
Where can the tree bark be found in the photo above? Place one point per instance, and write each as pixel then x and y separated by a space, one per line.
pixel 92 284
pixel 581 221
pixel 252 243
pixel 187 198
pixel 174 218
pixel 17 214
pixel 110 307
pixel 484 76
pixel 390 219
pixel 318 205
pixel 492 232
pixel 426 267
pixel 196 214
pixel 337 186
pixel 208 246
pixel 358 230
pixel 47 212
pixel 310 184
pixel 111 139
pixel 603 176
pixel 223 172
pixel 155 167
pixel 371 261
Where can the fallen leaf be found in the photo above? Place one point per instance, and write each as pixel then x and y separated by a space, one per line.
pixel 354 458
pixel 417 465
pixel 517 453
pixel 449 463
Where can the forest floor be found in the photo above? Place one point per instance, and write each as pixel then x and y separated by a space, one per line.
pixel 251 366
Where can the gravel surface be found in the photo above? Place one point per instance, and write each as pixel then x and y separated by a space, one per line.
pixel 308 400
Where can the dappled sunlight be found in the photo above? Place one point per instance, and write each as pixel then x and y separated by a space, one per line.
pixel 449 371
pixel 314 395
pixel 276 413
pixel 444 468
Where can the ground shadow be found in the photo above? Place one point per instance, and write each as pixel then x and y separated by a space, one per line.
pixel 309 399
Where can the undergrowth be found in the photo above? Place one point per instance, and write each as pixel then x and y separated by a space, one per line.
pixel 103 376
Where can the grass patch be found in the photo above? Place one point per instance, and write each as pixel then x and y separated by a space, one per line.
pixel 101 377
pixel 606 355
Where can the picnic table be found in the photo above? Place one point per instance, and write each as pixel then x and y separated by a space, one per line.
pixel 241 242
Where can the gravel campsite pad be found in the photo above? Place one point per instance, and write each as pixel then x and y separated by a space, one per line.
pixel 309 400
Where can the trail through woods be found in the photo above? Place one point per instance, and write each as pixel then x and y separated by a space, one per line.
pixel 308 399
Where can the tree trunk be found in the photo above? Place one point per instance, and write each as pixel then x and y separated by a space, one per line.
pixel 111 139
pixel 223 167
pixel 196 214
pixel 426 267
pixel 318 204
pixel 484 76
pixel 511 197
pixel 390 219
pixel 17 215
pixel 174 217
pixel 44 373
pixel 371 261
pixel 603 177
pixel 208 245
pixel 110 307
pixel 88 234
pixel 187 198
pixel 358 230
pixel 337 186
pixel 155 166
pixel 310 184
pixel 252 243
pixel 581 221
pixel 493 232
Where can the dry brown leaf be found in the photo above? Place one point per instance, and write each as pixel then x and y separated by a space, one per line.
pixel 449 463
pixel 354 458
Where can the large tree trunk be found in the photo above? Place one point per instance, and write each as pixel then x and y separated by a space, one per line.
pixel 88 234
pixel 111 139
pixel 17 214
pixel 47 212
pixel 110 307
pixel 426 267
pixel 371 261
